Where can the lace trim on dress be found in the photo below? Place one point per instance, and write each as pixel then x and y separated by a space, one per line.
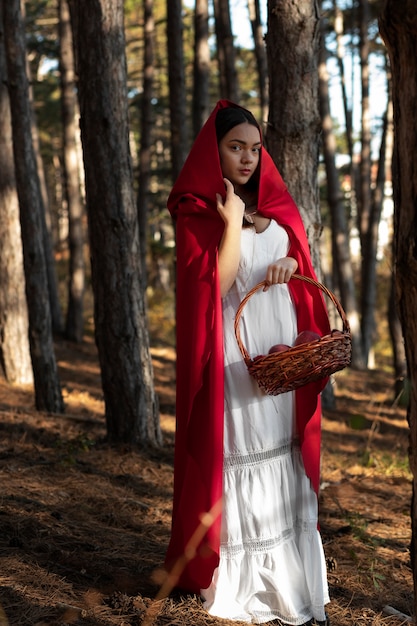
pixel 275 613
pixel 264 546
pixel 255 546
pixel 234 461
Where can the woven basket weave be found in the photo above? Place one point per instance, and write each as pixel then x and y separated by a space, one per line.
pixel 299 365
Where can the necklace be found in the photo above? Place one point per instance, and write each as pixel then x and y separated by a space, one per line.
pixel 248 216
pixel 247 251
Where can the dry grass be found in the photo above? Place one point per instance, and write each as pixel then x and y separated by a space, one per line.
pixel 84 526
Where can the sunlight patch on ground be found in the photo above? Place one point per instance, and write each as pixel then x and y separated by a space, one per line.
pixel 82 400
pixel 167 423
pixel 75 367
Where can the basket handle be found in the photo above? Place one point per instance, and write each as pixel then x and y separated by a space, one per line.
pixel 311 281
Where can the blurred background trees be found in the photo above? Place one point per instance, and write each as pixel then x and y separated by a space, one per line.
pixel 318 81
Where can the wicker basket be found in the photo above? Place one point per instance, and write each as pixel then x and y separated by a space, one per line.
pixel 302 364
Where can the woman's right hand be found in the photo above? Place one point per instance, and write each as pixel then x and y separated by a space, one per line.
pixel 231 210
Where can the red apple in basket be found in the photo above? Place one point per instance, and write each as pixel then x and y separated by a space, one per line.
pixel 279 347
pixel 306 336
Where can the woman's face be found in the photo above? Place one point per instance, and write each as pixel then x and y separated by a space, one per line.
pixel 239 153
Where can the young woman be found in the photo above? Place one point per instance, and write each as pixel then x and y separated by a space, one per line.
pixel 246 478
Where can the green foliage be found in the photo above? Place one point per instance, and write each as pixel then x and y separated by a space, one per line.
pixel 376 576
pixel 370 573
pixel 358 422
pixel 359 525
pixel 404 397
pixel 69 449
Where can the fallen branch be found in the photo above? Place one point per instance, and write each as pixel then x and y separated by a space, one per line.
pixel 389 610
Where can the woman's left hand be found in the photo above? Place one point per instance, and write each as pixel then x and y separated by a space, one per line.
pixel 280 271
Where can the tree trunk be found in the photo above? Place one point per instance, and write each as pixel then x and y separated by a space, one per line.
pixel 370 250
pixel 76 280
pixel 294 121
pixel 119 302
pixel 364 192
pixel 14 325
pixel 398 29
pixel 358 358
pixel 146 125
pixel 201 66
pixel 342 263
pixel 177 90
pixel 340 56
pixel 46 221
pixel 397 340
pixel 261 58
pixel 294 124
pixel 47 387
pixel 229 87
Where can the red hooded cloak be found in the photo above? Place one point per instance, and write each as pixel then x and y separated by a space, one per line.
pixel 200 368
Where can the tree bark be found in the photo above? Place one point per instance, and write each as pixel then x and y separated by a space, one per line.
pixel 46 220
pixel 14 324
pixel 398 351
pixel 229 86
pixel 294 124
pixel 48 394
pixel 364 196
pixel 340 56
pixel 398 27
pixel 201 66
pixel 119 302
pixel 176 77
pixel 370 251
pixel 74 325
pixel 399 361
pixel 261 58
pixel 146 125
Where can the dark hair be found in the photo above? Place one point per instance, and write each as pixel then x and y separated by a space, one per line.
pixel 228 118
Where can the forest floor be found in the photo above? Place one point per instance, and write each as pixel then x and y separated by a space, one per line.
pixel 84 526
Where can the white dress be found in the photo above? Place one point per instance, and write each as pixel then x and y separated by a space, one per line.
pixel 271 556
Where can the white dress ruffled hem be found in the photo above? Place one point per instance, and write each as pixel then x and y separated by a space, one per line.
pixel 272 562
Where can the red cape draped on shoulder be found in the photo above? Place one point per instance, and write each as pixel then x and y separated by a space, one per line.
pixel 200 375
